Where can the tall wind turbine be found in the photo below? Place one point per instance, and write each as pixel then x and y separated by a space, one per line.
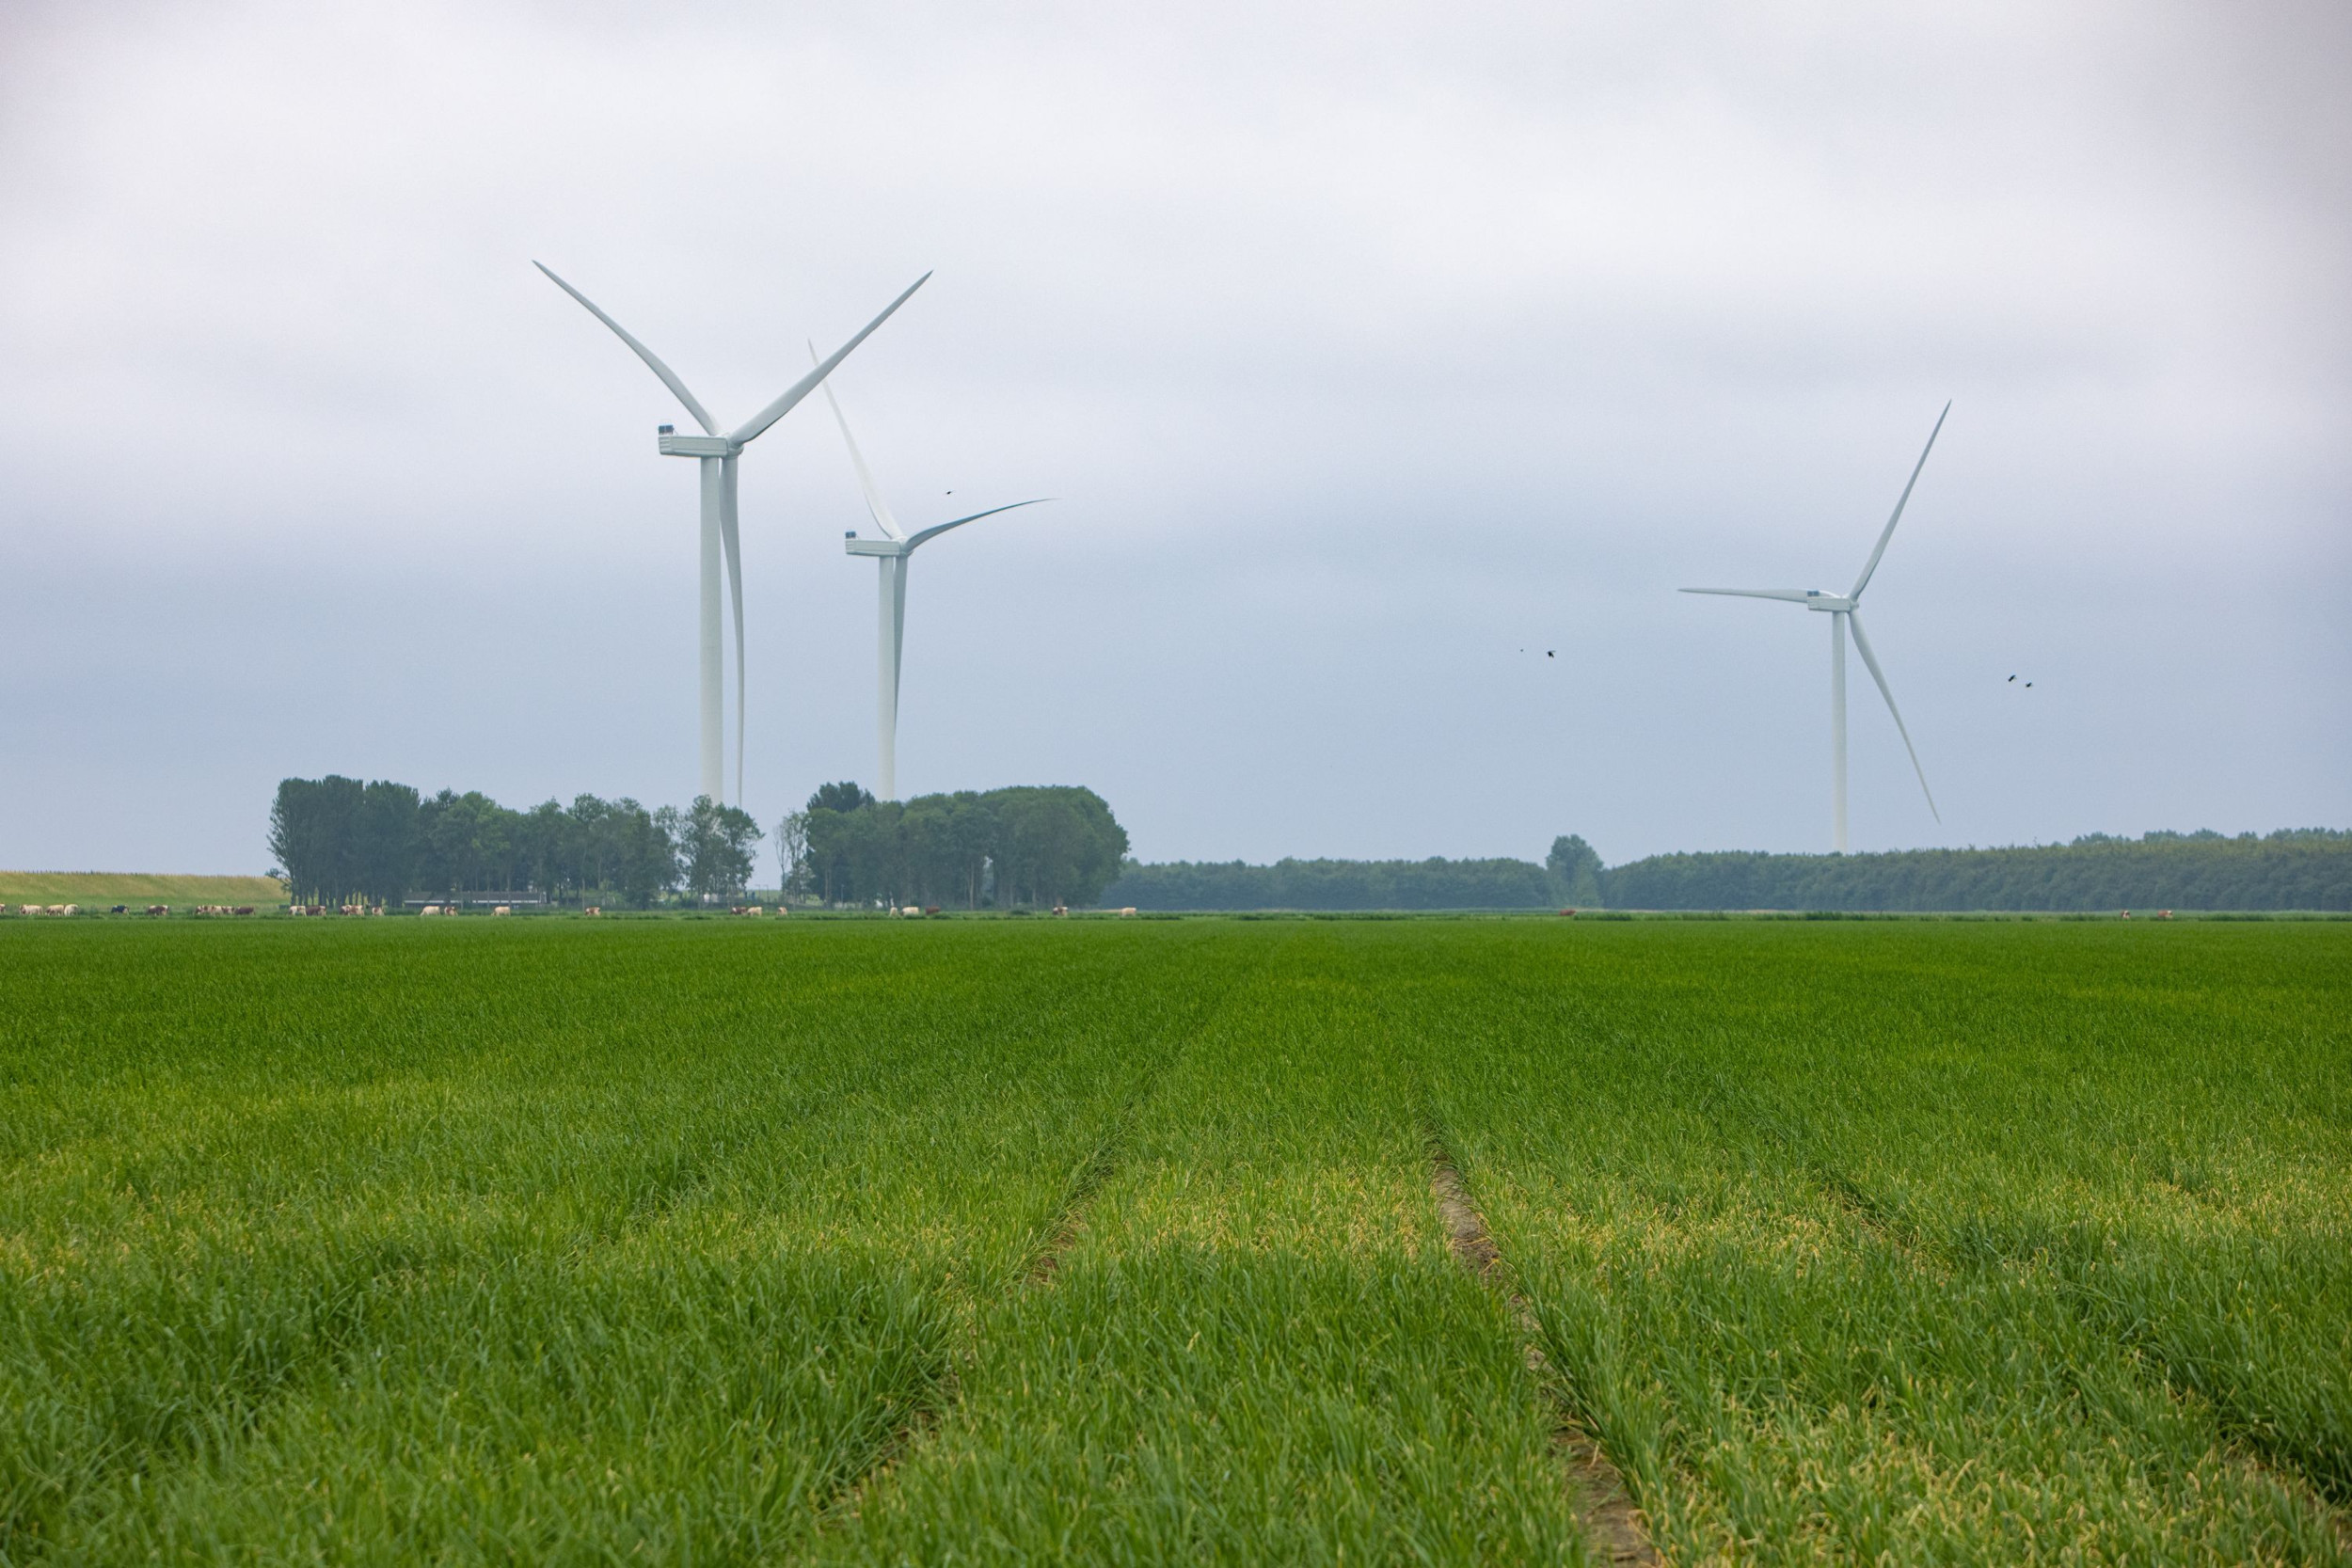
pixel 717 453
pixel 1844 612
pixel 893 552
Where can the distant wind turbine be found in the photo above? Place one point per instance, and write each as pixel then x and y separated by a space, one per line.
pixel 893 553
pixel 717 453
pixel 1844 612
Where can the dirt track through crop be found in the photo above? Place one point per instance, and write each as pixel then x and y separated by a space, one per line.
pixel 930 1410
pixel 1613 1527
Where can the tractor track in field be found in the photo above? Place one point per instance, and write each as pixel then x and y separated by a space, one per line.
pixel 930 1410
pixel 1614 1526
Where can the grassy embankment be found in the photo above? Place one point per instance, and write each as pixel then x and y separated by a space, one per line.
pixel 99 889
pixel 560 1241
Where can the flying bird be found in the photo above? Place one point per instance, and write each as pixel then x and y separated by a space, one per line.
pixel 2013 678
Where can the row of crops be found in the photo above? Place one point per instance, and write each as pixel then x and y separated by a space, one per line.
pixel 991 1241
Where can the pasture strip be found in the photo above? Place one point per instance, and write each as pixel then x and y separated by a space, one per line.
pixel 1613 1524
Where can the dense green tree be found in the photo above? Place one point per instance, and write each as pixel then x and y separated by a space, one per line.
pixel 1054 845
pixel 843 796
pixel 340 840
pixel 388 821
pixel 1293 884
pixel 1575 869
pixel 715 845
pixel 2293 870
pixel 796 875
pixel 468 842
pixel 314 832
pixel 1034 846
pixel 644 860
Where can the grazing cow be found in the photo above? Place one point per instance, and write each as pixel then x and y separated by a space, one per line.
pixel 159 909
pixel 30 909
pixel 594 909
pixel 1127 912
pixel 57 908
pixel 119 909
pixel 504 909
pixel 242 909
pixel 430 909
pixel 1061 909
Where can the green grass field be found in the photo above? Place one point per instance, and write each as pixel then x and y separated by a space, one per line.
pixel 989 1241
pixel 99 889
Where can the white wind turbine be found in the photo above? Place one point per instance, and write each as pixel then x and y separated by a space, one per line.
pixel 1844 612
pixel 717 453
pixel 893 553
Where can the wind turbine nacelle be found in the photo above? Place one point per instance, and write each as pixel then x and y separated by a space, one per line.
pixel 874 546
pixel 697 446
pixel 1831 603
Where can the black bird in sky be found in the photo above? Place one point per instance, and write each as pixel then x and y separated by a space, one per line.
pixel 1547 653
pixel 2013 678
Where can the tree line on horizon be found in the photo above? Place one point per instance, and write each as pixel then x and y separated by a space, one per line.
pixel 1033 845
pixel 2295 868
pixel 337 841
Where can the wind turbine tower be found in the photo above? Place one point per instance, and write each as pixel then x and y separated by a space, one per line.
pixel 1844 612
pixel 717 451
pixel 893 553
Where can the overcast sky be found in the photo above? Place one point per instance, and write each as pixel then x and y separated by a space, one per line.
pixel 1393 364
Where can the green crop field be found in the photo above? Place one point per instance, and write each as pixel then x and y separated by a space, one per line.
pixel 98 889
pixel 569 1241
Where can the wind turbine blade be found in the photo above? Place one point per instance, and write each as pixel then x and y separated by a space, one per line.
pixel 669 376
pixel 934 532
pixel 1872 564
pixel 1794 595
pixel 750 429
pixel 874 502
pixel 1862 644
pixel 730 537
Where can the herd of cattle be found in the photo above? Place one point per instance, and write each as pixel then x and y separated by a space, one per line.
pixel 452 908
pixel 125 909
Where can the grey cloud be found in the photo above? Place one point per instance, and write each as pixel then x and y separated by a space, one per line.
pixel 1361 342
